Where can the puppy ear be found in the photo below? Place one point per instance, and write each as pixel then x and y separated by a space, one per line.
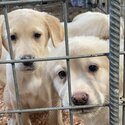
pixel 1 41
pixel 2 26
pixel 56 30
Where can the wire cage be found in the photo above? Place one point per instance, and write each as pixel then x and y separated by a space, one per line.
pixel 65 10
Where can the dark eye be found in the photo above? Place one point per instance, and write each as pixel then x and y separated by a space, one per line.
pixel 13 37
pixel 62 74
pixel 37 35
pixel 92 68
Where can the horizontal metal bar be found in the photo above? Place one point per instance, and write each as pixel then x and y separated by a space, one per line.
pixel 53 58
pixel 54 108
pixel 3 3
pixel 56 58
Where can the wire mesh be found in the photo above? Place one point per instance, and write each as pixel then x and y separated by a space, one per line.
pixel 114 63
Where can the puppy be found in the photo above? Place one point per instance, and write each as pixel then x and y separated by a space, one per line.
pixel 92 24
pixel 30 31
pixel 89 78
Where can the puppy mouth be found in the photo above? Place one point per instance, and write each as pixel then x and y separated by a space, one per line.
pixel 84 110
pixel 29 68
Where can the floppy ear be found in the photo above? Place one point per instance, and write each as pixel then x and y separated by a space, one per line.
pixel 2 26
pixel 56 30
pixel 1 42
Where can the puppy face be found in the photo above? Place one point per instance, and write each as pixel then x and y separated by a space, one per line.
pixel 29 33
pixel 89 76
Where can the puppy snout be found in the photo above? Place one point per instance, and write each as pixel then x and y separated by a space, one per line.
pixel 80 98
pixel 28 63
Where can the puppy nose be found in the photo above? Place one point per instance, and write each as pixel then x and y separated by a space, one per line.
pixel 29 63
pixel 80 98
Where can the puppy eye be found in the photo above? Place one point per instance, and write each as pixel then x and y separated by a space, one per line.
pixel 37 35
pixel 13 37
pixel 93 68
pixel 62 74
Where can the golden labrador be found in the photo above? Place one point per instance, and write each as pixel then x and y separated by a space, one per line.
pixel 89 78
pixel 30 31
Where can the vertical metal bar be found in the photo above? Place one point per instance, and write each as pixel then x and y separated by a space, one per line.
pixel 108 3
pixel 18 104
pixel 41 4
pixel 123 117
pixel 114 61
pixel 67 54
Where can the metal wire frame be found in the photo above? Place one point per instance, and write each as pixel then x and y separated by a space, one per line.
pixel 67 60
pixel 18 104
pixel 5 3
pixel 123 118
pixel 114 53
pixel 114 12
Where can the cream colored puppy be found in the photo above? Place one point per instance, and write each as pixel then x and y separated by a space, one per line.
pixel 30 31
pixel 89 78
pixel 92 24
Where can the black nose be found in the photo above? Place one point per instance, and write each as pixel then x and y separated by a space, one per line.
pixel 80 98
pixel 28 63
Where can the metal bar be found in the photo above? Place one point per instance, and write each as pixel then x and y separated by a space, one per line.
pixel 123 117
pixel 67 60
pixel 18 104
pixel 24 2
pixel 57 58
pixel 53 58
pixel 108 3
pixel 114 61
pixel 54 108
pixel 114 38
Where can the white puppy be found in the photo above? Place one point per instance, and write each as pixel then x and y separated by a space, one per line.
pixel 30 31
pixel 92 24
pixel 89 78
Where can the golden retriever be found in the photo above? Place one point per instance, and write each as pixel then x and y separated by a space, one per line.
pixel 92 24
pixel 30 31
pixel 89 78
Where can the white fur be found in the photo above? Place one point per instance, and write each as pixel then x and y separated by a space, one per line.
pixel 33 91
pixel 95 84
pixel 92 24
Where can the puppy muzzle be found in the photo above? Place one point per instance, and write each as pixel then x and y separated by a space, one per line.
pixel 28 65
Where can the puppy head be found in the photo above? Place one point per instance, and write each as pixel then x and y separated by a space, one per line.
pixel 89 76
pixel 30 31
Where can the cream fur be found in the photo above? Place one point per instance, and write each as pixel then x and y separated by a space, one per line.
pixel 33 91
pixel 92 24
pixel 95 84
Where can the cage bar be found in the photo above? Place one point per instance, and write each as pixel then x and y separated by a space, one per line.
pixel 114 60
pixel 113 55
pixel 67 60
